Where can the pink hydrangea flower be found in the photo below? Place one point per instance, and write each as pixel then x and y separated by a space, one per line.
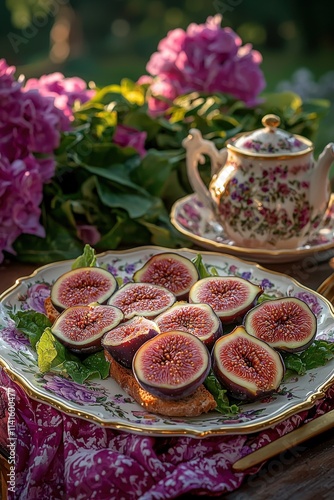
pixel 204 58
pixel 125 136
pixel 64 91
pixel 21 190
pixel 30 127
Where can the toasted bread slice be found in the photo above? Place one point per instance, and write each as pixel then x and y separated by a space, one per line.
pixel 50 311
pixel 201 401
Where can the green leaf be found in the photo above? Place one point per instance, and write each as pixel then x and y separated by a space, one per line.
pixel 282 101
pixel 154 170
pixel 31 323
pixel 116 173
pixel 202 269
pixel 49 351
pixel 223 404
pixel 317 354
pixel 135 205
pixel 52 355
pixel 87 259
pixel 97 362
pixel 59 244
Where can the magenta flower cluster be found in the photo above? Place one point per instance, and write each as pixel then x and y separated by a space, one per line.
pixel 32 115
pixel 204 58
pixel 64 91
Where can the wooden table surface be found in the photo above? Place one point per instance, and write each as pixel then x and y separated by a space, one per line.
pixel 307 471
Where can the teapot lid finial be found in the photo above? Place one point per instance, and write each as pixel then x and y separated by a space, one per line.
pixel 271 121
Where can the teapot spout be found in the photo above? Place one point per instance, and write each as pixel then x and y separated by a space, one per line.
pixel 320 182
pixel 324 162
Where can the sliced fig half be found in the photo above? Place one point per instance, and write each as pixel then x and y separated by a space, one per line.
pixel 247 367
pixel 229 296
pixel 81 328
pixel 172 365
pixel 287 324
pixel 142 299
pixel 123 341
pixel 171 270
pixel 82 286
pixel 198 319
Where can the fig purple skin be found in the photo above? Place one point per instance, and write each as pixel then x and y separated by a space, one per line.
pixel 123 341
pixel 172 365
pixel 170 270
pixel 286 324
pixel 229 296
pixel 82 286
pixel 247 367
pixel 81 328
pixel 142 299
pixel 198 319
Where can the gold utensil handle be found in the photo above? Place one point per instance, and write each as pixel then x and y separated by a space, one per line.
pixel 327 288
pixel 306 431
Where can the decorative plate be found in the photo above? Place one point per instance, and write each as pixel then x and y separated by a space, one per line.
pixel 197 223
pixel 104 402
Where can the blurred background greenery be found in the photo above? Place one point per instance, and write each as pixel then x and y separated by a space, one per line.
pixel 104 40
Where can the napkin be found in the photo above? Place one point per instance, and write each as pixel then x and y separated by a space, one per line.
pixel 59 456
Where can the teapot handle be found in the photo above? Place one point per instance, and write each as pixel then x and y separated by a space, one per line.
pixel 196 147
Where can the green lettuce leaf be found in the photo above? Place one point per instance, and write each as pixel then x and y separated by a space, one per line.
pixel 203 270
pixel 223 403
pixel 31 323
pixel 317 354
pixel 52 355
pixel 50 352
pixel 86 259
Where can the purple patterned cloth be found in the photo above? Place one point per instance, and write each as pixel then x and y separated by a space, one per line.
pixel 59 456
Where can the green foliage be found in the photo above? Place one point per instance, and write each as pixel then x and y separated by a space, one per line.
pixel 86 259
pixel 220 394
pixel 54 356
pixel 317 354
pixel 31 323
pixel 128 198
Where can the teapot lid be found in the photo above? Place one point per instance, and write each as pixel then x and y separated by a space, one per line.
pixel 270 140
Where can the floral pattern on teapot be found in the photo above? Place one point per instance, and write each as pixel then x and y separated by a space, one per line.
pixel 266 191
pixel 259 146
pixel 252 215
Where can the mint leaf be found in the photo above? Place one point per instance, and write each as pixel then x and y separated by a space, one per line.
pixel 87 259
pixel 220 395
pixel 31 323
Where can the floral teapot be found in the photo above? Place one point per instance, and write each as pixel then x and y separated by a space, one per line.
pixel 266 189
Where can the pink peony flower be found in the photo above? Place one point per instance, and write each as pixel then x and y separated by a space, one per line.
pixel 204 58
pixel 130 137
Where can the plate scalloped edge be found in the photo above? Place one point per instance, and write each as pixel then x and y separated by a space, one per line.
pixel 206 425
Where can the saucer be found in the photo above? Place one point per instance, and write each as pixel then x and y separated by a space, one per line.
pixel 197 222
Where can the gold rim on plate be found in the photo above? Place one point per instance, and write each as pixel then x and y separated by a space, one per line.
pixel 206 425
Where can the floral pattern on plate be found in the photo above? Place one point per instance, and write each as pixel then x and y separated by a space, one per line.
pixel 198 224
pixel 103 401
